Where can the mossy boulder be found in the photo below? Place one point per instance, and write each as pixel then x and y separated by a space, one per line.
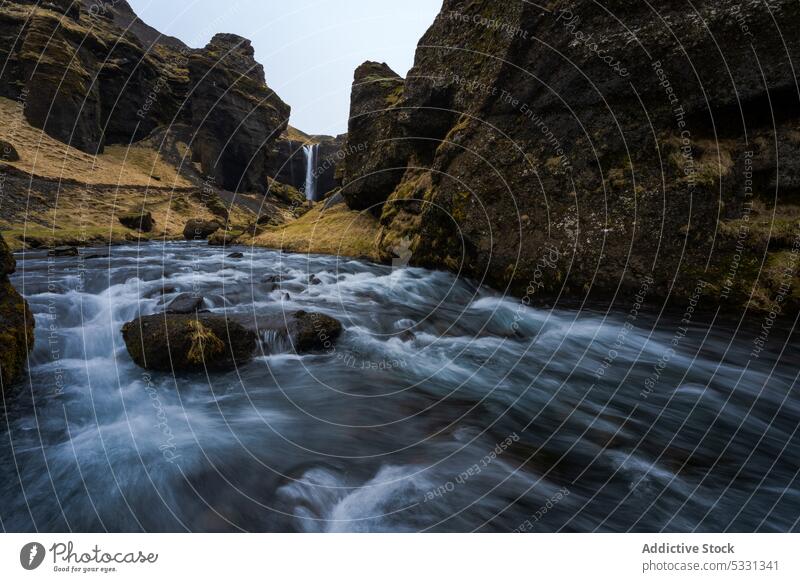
pixel 223 238
pixel 285 193
pixel 199 229
pixel 313 332
pixel 188 343
pixel 8 153
pixel 217 207
pixel 16 323
pixel 142 221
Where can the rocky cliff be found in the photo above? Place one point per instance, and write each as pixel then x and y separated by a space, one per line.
pixel 235 115
pixel 93 74
pixel 581 149
pixel 377 151
pixel 16 323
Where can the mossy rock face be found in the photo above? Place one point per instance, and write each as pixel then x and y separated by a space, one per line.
pixel 100 75
pixel 16 323
pixel 7 262
pixel 8 153
pixel 238 118
pixel 68 8
pixel 590 187
pixel 142 221
pixel 285 193
pixel 188 343
pixel 376 154
pixel 199 229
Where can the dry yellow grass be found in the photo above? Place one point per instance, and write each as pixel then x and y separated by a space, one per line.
pixel 87 217
pixel 122 180
pixel 335 231
pixel 134 179
pixel 43 156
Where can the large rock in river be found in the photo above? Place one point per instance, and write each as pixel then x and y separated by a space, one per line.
pixel 305 332
pixel 185 303
pixel 310 332
pixel 188 343
pixel 16 323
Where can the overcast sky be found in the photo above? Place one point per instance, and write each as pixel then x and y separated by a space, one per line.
pixel 309 48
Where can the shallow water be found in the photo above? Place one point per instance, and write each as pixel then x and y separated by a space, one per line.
pixel 444 407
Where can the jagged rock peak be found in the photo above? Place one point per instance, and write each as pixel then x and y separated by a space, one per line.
pixel 232 42
pixel 370 69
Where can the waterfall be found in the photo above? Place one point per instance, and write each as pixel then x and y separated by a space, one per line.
pixel 310 151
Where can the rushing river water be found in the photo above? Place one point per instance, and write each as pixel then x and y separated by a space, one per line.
pixel 444 407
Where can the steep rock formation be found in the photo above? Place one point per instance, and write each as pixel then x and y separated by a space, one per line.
pixel 16 323
pixel 122 15
pixel 235 114
pixel 583 150
pixel 98 75
pixel 376 155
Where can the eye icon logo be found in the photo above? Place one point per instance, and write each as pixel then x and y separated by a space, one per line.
pixel 31 555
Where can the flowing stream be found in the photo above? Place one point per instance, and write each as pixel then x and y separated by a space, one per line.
pixel 445 406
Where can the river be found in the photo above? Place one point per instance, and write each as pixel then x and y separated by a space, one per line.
pixel 445 406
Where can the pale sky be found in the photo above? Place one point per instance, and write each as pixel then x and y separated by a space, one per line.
pixel 309 48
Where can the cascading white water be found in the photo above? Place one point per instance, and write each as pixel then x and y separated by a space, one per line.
pixel 311 151
pixel 439 395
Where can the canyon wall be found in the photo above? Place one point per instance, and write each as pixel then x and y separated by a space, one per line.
pixel 93 74
pixel 16 323
pixel 582 150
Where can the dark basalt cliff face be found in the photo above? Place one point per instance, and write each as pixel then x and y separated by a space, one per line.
pixel 377 152
pixel 590 149
pixel 288 163
pixel 236 115
pixel 96 74
pixel 16 323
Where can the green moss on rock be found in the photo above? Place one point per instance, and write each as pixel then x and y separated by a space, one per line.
pixel 16 323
